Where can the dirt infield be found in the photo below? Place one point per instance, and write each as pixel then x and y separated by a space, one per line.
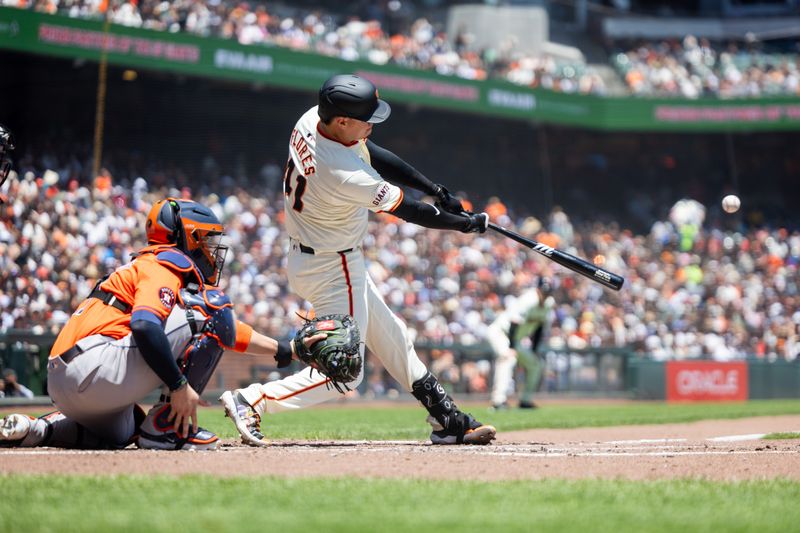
pixel 718 449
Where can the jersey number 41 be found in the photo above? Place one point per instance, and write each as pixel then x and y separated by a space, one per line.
pixel 299 188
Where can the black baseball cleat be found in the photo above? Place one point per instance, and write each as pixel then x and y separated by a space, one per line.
pixel 528 405
pixel 475 432
pixel 158 433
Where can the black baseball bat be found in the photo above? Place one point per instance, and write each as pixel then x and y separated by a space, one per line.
pixel 576 264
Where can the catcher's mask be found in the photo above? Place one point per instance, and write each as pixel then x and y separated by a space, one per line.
pixel 194 229
pixel 6 145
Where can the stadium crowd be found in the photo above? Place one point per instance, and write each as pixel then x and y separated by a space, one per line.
pixel 691 290
pixel 418 44
pixel 693 67
pixel 689 68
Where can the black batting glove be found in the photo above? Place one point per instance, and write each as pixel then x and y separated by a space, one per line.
pixel 476 223
pixel 447 201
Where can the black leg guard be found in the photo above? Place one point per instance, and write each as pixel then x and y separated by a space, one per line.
pixel 441 406
pixel 56 430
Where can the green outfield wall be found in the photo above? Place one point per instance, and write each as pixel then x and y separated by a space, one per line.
pixel 595 372
pixel 50 35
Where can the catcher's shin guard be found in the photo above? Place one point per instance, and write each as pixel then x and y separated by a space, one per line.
pixel 53 429
pixel 210 313
pixel 450 426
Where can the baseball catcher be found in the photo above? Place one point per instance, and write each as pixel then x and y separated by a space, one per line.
pixel 337 355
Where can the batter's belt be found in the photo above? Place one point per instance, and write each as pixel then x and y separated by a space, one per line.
pixel 309 250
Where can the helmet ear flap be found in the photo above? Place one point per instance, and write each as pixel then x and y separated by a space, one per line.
pixel 178 231
pixel 170 217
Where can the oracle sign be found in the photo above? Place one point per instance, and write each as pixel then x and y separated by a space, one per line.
pixel 689 381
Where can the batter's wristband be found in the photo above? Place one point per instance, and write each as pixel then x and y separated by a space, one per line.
pixel 284 354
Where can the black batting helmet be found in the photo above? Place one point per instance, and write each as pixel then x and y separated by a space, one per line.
pixel 6 145
pixel 347 95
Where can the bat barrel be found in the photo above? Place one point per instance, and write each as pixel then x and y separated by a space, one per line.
pixel 576 264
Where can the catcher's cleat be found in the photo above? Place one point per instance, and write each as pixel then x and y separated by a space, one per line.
pixel 475 433
pixel 13 430
pixel 158 433
pixel 245 418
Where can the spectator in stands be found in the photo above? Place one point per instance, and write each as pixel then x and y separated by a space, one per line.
pixel 694 67
pixel 721 293
pixel 12 388
pixel 419 43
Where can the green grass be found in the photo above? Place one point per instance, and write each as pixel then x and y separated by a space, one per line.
pixel 407 421
pixel 206 503
pixel 780 436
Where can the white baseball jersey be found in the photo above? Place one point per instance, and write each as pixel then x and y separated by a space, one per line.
pixel 329 188
pixel 527 311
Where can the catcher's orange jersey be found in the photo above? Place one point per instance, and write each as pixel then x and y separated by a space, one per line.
pixel 144 283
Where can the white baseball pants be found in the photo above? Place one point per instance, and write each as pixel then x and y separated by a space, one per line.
pixel 505 361
pixel 338 282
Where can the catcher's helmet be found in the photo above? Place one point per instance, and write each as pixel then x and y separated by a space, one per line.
pixel 6 145
pixel 346 95
pixel 193 228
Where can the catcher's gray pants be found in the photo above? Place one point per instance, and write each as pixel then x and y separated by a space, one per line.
pixel 99 387
pixel 339 283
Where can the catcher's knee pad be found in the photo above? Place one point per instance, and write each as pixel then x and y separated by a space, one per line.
pixel 210 313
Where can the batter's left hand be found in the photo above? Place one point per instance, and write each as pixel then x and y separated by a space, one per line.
pixel 476 223
pixel 447 201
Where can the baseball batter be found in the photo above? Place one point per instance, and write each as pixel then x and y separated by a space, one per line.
pixel 333 179
pixel 515 335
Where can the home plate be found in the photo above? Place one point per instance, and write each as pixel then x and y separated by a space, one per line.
pixel 734 438
pixel 644 441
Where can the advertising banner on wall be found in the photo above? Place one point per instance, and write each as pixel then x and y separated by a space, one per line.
pixel 696 381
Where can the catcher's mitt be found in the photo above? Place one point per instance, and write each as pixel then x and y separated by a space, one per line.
pixel 338 356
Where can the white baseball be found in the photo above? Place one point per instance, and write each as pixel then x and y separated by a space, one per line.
pixel 731 203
